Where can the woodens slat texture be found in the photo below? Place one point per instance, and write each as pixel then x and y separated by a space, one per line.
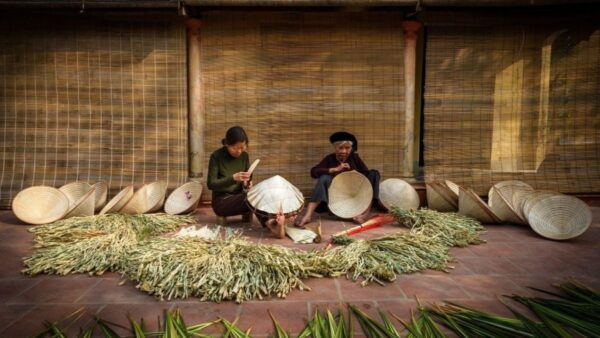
pixel 515 97
pixel 293 78
pixel 91 98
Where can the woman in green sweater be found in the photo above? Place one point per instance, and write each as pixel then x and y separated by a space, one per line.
pixel 228 176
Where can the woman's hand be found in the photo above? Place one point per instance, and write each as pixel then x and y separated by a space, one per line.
pixel 339 168
pixel 242 176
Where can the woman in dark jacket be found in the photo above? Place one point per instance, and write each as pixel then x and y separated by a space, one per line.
pixel 343 159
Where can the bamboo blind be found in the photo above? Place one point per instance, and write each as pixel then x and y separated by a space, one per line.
pixel 510 101
pixel 293 78
pixel 91 99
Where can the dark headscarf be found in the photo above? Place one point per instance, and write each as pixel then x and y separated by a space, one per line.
pixel 344 136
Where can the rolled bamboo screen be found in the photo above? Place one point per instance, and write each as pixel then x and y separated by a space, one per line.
pixel 512 100
pixel 91 99
pixel 293 78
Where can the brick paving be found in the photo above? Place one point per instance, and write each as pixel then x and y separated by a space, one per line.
pixel 514 258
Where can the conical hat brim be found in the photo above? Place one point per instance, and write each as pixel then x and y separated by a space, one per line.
pixel 147 198
pixel 101 195
pixel 437 200
pixel 183 199
pixel 469 204
pixel 84 206
pixel 507 189
pixel 350 194
pixel 398 193
pixel 560 217
pixel 74 191
pixel 275 193
pixel 40 205
pixel 117 202
pixel 503 209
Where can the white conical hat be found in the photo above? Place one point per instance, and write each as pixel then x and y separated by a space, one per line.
pixel 503 209
pixel 84 206
pixel 101 195
pixel 439 197
pixel 40 205
pixel 453 188
pixel 147 199
pixel 534 198
pixel 507 189
pixel 275 193
pixel 350 194
pixel 399 193
pixel 117 202
pixel 469 204
pixel 560 217
pixel 75 190
pixel 184 199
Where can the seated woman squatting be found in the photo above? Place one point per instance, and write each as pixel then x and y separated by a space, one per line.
pixel 344 158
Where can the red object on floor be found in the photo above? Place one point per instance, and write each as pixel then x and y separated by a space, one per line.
pixel 375 222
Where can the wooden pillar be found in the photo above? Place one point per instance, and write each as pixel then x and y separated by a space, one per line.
pixel 195 104
pixel 411 33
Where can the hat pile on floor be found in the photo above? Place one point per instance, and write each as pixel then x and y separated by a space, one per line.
pixel 45 204
pixel 550 214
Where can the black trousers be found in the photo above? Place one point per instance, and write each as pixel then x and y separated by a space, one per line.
pixel 226 204
pixel 320 193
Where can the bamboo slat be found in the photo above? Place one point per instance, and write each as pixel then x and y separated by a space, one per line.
pixel 91 99
pixel 512 100
pixel 293 78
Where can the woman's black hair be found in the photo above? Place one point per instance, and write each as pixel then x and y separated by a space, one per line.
pixel 234 135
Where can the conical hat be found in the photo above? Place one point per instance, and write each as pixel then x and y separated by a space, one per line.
pixel 507 188
pixel 84 206
pixel 519 197
pixel 437 197
pixel 146 199
pixel 454 188
pixel 184 199
pixel 274 193
pixel 101 195
pixel 75 190
pixel 399 193
pixel 536 197
pixel 350 194
pixel 560 217
pixel 469 204
pixel 503 209
pixel 40 205
pixel 117 202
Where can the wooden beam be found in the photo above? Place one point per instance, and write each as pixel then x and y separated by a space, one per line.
pixel 411 33
pixel 196 106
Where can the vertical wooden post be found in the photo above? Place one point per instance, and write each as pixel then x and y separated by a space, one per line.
pixel 411 33
pixel 196 106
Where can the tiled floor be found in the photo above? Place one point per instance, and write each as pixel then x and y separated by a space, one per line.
pixel 514 258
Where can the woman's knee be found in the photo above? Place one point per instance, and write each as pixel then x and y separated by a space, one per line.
pixel 325 179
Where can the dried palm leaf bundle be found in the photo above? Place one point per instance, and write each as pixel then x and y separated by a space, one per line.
pixel 451 229
pixel 380 259
pixel 227 268
pixel 93 244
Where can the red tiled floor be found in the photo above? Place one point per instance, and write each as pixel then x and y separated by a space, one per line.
pixel 12 287
pixel 353 291
pixel 431 287
pixel 513 258
pixel 64 291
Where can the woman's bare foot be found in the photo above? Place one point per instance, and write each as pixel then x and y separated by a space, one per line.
pixel 277 226
pixel 301 222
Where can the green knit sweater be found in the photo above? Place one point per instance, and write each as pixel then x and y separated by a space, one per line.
pixel 221 168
